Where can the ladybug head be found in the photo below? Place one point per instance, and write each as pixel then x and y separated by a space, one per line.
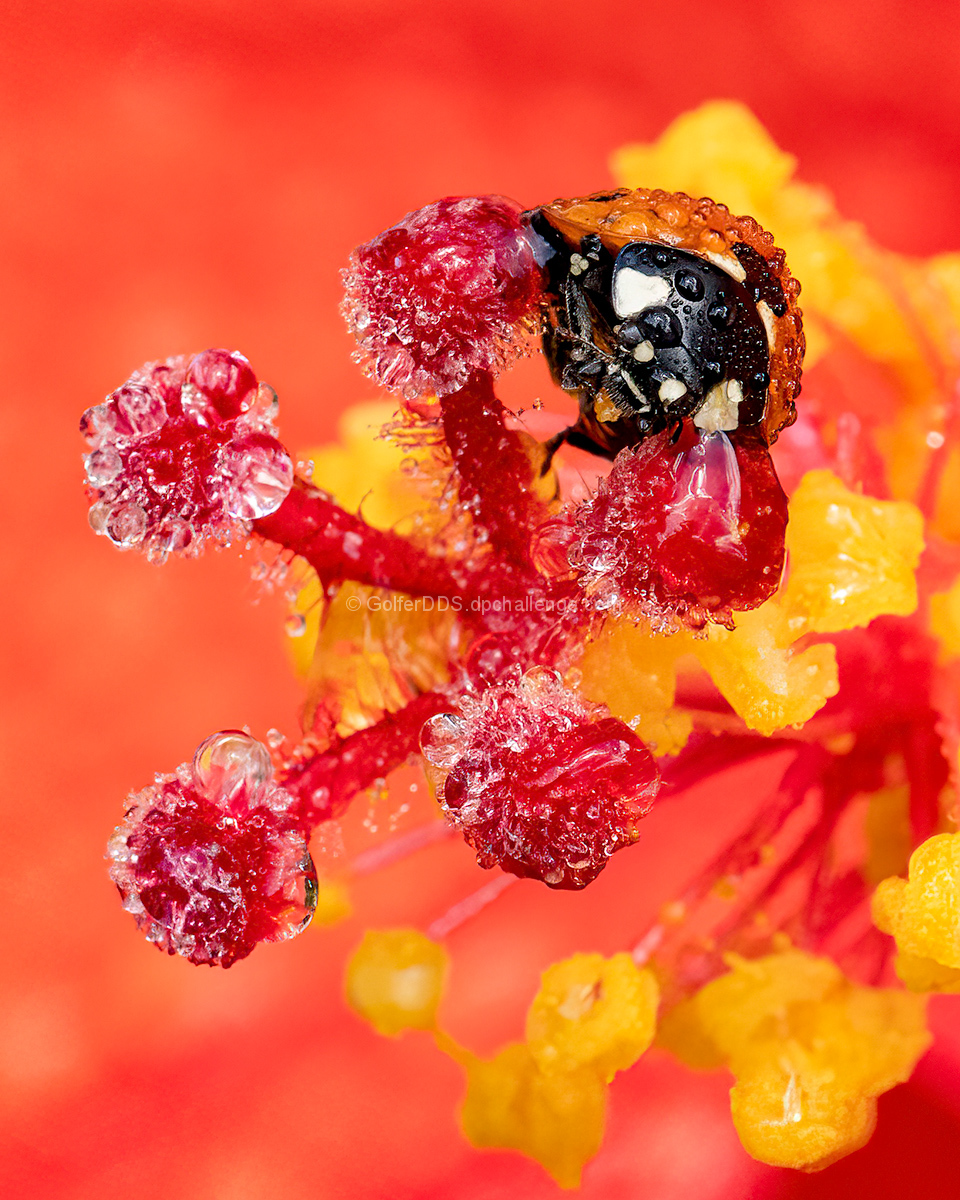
pixel 647 333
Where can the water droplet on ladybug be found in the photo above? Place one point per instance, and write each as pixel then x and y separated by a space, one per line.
pixel 661 327
pixel 721 313
pixel 689 285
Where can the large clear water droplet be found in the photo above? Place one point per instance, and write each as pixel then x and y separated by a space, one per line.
pixel 443 740
pixel 259 476
pixel 708 486
pixel 218 387
pixel 229 761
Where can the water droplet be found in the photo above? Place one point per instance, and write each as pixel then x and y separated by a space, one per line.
pixel 573 678
pixel 219 386
pixel 230 760
pixel 97 422
pixel 98 515
pixel 274 739
pixel 296 625
pixel 259 473
pixel 550 544
pixel 263 410
pixel 708 480
pixel 126 524
pixel 103 466
pixel 175 536
pixel 141 408
pixel 443 740
pixel 301 894
pixel 321 797
pixel 540 682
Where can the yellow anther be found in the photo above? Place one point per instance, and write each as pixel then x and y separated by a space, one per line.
pixel 681 1032
pixel 373 653
pixel 769 684
pixel 852 558
pixel 592 1012
pixel 926 974
pixel 395 980
pixel 554 1117
pixel 810 1052
pixel 789 1114
pixel 634 673
pixel 923 914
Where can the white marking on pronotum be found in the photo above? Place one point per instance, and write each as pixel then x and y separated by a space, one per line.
pixel 643 352
pixel 633 292
pixel 672 389
pixel 720 411
pixel 732 266
pixel 768 319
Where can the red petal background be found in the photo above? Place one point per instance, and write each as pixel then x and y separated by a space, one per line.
pixel 184 174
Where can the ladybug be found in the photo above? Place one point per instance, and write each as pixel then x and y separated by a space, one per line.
pixel 657 308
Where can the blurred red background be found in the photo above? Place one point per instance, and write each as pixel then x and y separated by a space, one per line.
pixel 186 174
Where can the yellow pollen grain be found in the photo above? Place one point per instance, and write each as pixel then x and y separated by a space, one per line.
pixel 605 410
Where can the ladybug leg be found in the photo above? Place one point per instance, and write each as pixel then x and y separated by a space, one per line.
pixel 574 436
pixel 551 447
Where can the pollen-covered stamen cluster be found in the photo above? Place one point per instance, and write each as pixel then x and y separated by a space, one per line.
pixel 540 783
pixel 444 293
pixel 212 859
pixel 687 528
pixel 689 531
pixel 184 452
